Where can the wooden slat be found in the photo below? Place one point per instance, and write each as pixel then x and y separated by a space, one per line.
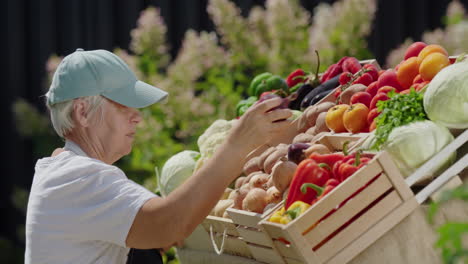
pixel 450 185
pixel 359 226
pixel 255 236
pixel 442 179
pixel 219 224
pixel 267 255
pixel 337 195
pixel 336 141
pixel 292 261
pixel 375 232
pixel 199 240
pixel 393 173
pixel 235 246
pixel 287 251
pixel 353 206
pixel 302 246
pixel 244 218
pixel 274 230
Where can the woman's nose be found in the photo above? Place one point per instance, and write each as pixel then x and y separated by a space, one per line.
pixel 136 117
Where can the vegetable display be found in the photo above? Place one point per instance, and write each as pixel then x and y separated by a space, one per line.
pixel 393 105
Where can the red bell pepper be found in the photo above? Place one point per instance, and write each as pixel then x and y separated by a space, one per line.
pixel 350 165
pixel 329 159
pixel 321 191
pixel 308 171
pixel 295 77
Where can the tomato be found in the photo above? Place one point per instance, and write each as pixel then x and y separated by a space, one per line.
pixel 418 79
pixel 361 97
pixel 414 49
pixel 407 91
pixel 372 115
pixel 373 126
pixel 386 89
pixel 334 118
pixel 378 97
pixel 355 118
pixel 372 89
pixel 432 64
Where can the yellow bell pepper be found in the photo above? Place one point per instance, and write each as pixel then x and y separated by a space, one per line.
pixel 276 217
pixel 295 210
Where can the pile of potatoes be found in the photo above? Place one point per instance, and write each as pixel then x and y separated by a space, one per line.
pixel 266 178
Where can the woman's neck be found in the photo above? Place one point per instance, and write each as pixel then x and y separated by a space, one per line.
pixel 92 147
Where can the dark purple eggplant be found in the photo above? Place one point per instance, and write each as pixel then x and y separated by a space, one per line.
pixel 296 152
pixel 301 93
pixel 326 86
pixel 320 96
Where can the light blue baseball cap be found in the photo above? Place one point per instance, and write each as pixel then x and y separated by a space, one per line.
pixel 100 72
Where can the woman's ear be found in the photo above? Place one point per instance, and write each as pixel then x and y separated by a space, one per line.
pixel 80 112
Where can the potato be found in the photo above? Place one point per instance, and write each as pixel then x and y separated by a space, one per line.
pixel 226 193
pixel 238 197
pixel 311 131
pixel 255 200
pixel 264 156
pixel 282 174
pixel 303 138
pixel 273 195
pixel 247 179
pixel 320 125
pixel 268 184
pixel 310 114
pixel 258 180
pixel 239 182
pixel 345 96
pixel 273 158
pixel 251 166
pixel 317 148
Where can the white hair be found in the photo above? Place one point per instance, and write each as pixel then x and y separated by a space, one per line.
pixel 61 113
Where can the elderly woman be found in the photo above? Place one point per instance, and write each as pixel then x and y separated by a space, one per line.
pixel 81 208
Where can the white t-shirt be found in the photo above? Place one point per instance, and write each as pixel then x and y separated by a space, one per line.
pixel 80 210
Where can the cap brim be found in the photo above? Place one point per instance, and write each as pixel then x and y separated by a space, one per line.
pixel 142 95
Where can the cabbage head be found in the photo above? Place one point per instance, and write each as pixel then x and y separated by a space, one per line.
pixel 446 97
pixel 176 170
pixel 214 136
pixel 410 146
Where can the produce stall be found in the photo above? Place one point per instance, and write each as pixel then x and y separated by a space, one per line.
pixel 349 181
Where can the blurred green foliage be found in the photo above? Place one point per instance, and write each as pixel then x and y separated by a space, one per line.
pixel 451 234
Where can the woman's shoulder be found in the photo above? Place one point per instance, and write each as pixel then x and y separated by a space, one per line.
pixel 67 166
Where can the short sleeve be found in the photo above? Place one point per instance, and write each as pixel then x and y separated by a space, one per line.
pixel 102 206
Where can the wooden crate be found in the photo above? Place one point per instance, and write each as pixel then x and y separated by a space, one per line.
pixel 376 195
pixel 259 243
pixel 218 235
pixel 381 198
